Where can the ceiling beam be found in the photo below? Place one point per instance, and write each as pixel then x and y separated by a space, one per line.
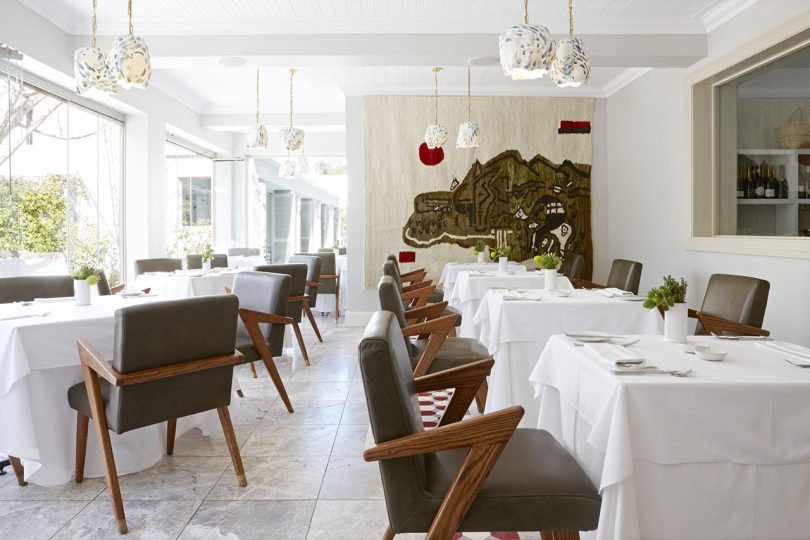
pixel 312 122
pixel 303 50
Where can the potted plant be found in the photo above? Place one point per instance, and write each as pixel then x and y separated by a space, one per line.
pixel 84 278
pixel 549 263
pixel 207 257
pixel 480 251
pixel 670 298
pixel 501 254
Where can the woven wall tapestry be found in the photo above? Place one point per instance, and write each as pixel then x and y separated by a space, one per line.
pixel 528 184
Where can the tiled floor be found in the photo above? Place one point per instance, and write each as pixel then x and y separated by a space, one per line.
pixel 306 476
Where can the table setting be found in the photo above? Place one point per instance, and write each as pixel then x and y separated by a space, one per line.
pixel 451 270
pixel 187 283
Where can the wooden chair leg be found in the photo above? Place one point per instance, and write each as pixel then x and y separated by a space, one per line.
pixel 171 431
pixel 481 396
pixel 452 332
pixel 546 535
pixel 82 423
pixel 252 370
pixel 565 535
pixel 240 393
pixel 388 534
pixel 233 446
pixel 311 318
pixel 337 301
pixel 300 338
pixel 282 392
pixel 19 471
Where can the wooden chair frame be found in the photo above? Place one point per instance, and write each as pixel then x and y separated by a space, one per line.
pixel 251 319
pixel 414 276
pixel 580 283
pixel 96 367
pixel 719 326
pixel 304 299
pixel 336 277
pixel 308 311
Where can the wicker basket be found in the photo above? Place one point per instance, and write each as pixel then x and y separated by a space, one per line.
pixel 794 134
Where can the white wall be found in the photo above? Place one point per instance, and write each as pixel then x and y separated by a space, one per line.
pixel 647 180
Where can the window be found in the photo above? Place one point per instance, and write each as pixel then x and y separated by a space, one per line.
pixel 61 175
pixel 189 177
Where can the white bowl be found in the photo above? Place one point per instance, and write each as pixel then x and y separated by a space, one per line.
pixel 707 353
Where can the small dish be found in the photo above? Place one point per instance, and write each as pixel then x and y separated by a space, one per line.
pixel 131 294
pixel 562 293
pixel 688 348
pixel 588 336
pixel 707 353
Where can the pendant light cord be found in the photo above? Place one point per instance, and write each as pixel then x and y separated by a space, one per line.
pixel 257 95
pixel 526 11
pixel 292 74
pixel 570 18
pixel 93 41
pixel 129 12
pixel 469 92
pixel 436 71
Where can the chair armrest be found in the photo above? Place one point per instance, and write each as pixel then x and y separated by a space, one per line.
pixel 412 273
pixel 96 361
pixel 418 285
pixel 329 276
pixel 427 327
pixel 298 298
pixel 585 284
pixel 718 325
pixel 431 311
pixel 309 283
pixel 117 289
pixel 465 380
pixel 418 297
pixel 437 331
pixel 249 317
pixel 415 278
pixel 484 430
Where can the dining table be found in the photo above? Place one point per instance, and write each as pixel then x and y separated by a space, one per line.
pixel 187 283
pixel 723 452
pixel 245 261
pixel 515 326
pixel 451 270
pixel 39 361
pixel 472 285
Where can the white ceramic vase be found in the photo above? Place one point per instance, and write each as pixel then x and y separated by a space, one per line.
pixel 482 257
pixel 503 263
pixel 551 278
pixel 675 322
pixel 81 292
pixel 207 265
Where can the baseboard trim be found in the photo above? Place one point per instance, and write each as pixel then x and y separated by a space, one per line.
pixel 358 318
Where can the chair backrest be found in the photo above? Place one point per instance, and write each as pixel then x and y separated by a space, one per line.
pixel 313 274
pixel 741 299
pixel 268 293
pixel 243 252
pixel 26 288
pixel 298 281
pixel 391 270
pixel 328 268
pixel 391 299
pixel 625 275
pixel 103 285
pixel 572 265
pixel 341 251
pixel 162 334
pixel 194 261
pixel 326 250
pixel 393 410
pixel 157 265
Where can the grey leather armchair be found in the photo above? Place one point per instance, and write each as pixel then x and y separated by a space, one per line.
pixel 418 294
pixel 313 283
pixel 152 380
pixel 26 288
pixel 624 275
pixel 480 474
pixel 194 261
pixel 439 351
pixel 330 279
pixel 243 252
pixel 157 265
pixel 572 265
pixel 733 304
pixel 263 302
pixel 297 297
pixel 414 278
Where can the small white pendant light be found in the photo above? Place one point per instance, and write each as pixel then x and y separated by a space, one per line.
pixel 469 134
pixel 291 137
pixel 91 69
pixel 257 136
pixel 526 50
pixel 129 58
pixel 436 133
pixel 571 66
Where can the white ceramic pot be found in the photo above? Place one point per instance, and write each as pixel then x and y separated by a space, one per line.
pixel 503 263
pixel 81 291
pixel 207 265
pixel 482 256
pixel 551 278
pixel 675 322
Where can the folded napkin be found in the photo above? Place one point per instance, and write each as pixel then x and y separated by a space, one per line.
pixel 612 291
pixel 52 300
pixel 613 355
pixel 479 273
pixel 791 350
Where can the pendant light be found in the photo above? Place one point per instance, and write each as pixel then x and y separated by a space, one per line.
pixel 288 169
pixel 469 134
pixel 436 133
pixel 129 58
pixel 91 70
pixel 571 66
pixel 291 137
pixel 257 136
pixel 526 50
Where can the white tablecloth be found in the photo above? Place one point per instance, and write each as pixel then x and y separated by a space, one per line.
pixel 239 261
pixel 451 271
pixel 470 289
pixel 185 284
pixel 723 453
pixel 326 302
pixel 39 361
pixel 515 332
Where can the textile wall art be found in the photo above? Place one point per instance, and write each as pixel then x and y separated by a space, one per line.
pixel 527 185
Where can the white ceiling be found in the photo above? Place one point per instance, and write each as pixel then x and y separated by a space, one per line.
pixel 358 47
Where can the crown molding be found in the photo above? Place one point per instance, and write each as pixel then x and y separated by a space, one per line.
pixel 623 79
pixel 724 12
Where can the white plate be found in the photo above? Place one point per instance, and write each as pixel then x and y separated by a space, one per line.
pixel 588 336
pixel 629 297
pixel 131 294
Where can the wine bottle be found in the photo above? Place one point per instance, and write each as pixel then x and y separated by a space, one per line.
pixel 770 187
pixel 784 189
pixel 750 188
pixel 802 185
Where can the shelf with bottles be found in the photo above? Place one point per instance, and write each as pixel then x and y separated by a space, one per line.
pixel 773 177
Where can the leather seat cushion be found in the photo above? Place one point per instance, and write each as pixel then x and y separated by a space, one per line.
pixel 436 297
pixel 78 400
pixel 455 351
pixel 250 352
pixel 453 311
pixel 535 485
